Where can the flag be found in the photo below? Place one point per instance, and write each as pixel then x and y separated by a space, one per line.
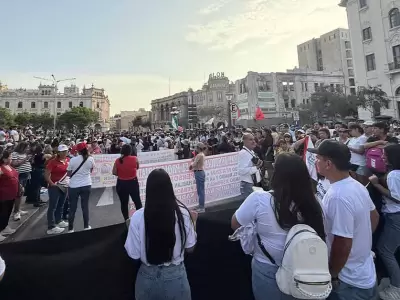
pixel 310 158
pixel 174 122
pixel 259 114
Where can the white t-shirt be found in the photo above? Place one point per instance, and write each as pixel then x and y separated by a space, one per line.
pixel 82 177
pixel 259 206
pixel 393 182
pixel 2 136
pixel 322 187
pixel 357 143
pixel 15 135
pixel 135 244
pixel 347 207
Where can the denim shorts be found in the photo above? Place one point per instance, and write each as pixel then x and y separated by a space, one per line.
pixel 347 292
pixel 162 283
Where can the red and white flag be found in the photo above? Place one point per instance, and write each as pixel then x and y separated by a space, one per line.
pixel 310 158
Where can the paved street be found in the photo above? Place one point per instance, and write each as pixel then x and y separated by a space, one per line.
pixel 104 208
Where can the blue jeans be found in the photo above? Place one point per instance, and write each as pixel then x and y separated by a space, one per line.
pixel 56 206
pixel 200 177
pixel 264 282
pixel 388 244
pixel 347 292
pixel 246 189
pixel 73 195
pixel 162 283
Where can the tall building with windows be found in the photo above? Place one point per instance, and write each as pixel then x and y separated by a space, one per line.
pixel 279 95
pixel 330 52
pixel 46 99
pixel 375 37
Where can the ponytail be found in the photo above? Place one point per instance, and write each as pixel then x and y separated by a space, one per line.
pixel 121 159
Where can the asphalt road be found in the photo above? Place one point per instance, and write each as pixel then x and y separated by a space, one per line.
pixel 104 210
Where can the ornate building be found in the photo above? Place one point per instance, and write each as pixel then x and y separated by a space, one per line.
pixel 45 99
pixel 210 100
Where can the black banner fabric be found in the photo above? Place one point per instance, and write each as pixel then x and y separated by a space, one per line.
pixel 94 265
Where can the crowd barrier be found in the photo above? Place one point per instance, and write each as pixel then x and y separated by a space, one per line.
pixel 94 265
pixel 222 180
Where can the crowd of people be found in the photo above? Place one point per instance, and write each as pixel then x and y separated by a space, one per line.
pixel 353 206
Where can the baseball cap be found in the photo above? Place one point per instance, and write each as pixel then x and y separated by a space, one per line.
pixel 81 146
pixel 62 148
pixel 368 123
pixel 337 152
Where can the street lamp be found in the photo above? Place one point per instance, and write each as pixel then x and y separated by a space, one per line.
pixel 174 113
pixel 229 98
pixel 55 83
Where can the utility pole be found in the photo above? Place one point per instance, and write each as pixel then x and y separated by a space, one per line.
pixel 55 84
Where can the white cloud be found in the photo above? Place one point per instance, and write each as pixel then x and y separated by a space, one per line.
pixel 214 7
pixel 270 20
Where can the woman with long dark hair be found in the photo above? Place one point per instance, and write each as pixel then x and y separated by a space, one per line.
pixel 125 168
pixel 159 234
pixel 291 202
pixel 80 185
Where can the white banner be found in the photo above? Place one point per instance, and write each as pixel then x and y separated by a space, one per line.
pixel 102 174
pixel 222 180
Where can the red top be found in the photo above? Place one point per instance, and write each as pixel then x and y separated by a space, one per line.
pixel 127 170
pixel 8 184
pixel 57 168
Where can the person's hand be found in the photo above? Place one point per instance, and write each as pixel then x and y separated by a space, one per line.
pixel 51 184
pixel 260 163
pixel 194 215
pixel 373 179
pixel 190 167
pixel 384 142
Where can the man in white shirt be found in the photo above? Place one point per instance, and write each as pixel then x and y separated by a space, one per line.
pixel 350 220
pixel 248 166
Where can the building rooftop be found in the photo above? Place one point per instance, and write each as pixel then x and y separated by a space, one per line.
pixel 343 3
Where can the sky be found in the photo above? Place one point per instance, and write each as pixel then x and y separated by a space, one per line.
pixel 140 50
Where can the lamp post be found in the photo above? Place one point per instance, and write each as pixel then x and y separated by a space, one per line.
pixel 174 113
pixel 229 98
pixel 55 83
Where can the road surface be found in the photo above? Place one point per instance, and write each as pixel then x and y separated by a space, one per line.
pixel 104 210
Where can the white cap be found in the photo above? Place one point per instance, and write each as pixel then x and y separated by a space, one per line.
pixel 62 148
pixel 368 123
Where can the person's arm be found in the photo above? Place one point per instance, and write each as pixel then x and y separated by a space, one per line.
pixel 191 238
pixel 114 170
pixel 357 151
pixel 374 144
pixel 47 174
pixel 247 212
pixel 374 216
pixel 297 144
pixel 384 191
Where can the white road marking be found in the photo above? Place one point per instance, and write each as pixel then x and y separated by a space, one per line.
pixel 107 198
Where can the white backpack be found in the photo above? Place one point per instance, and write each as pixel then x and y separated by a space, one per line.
pixel 304 273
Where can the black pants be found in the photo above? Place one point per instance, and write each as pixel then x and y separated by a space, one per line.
pixel 126 188
pixel 6 208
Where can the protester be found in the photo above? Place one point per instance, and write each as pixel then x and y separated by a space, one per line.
pixel 37 177
pixel 350 220
pixel 9 191
pixel 291 202
pixel 248 166
pixel 357 160
pixel 197 166
pixel 162 274
pixel 56 178
pixel 80 185
pixel 125 168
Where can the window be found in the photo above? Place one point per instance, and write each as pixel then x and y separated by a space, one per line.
pixel 33 104
pixel 302 87
pixel 394 17
pixel 306 86
pixel 396 55
pixel 332 87
pixel 42 92
pixel 367 35
pixel 353 91
pixel 70 104
pixel 397 93
pixel 316 87
pixel 46 104
pixel 291 86
pixel 349 63
pixel 293 103
pixel 363 3
pixel 97 105
pixel 352 82
pixel 81 104
pixel 58 104
pixel 351 72
pixel 370 62
pixel 58 114
pixel 7 104
pixel 19 104
pixel 285 86
pixel 219 96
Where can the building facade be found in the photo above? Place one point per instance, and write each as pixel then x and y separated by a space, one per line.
pixel 375 39
pixel 210 100
pixel 46 99
pixel 126 118
pixel 279 95
pixel 330 52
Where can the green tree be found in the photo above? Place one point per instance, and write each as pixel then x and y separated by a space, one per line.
pixel 23 119
pixel 45 121
pixel 372 99
pixel 212 112
pixel 6 118
pixel 78 116
pixel 137 121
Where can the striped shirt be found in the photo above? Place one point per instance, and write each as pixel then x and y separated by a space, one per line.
pixel 25 167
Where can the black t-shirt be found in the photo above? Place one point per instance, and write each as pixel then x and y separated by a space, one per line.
pixel 389 139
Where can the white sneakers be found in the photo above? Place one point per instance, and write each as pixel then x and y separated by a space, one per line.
pixel 7 231
pixel 390 293
pixel 55 230
pixel 17 215
pixel 88 228
pixel 2 238
pixel 62 224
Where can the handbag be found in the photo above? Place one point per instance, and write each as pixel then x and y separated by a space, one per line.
pixel 63 183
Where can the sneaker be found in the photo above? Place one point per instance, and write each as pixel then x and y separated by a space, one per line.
pixel 390 293
pixel 71 231
pixel 55 230
pixel 8 231
pixel 200 210
pixel 87 228
pixel 2 238
pixel 23 212
pixel 17 216
pixel 63 224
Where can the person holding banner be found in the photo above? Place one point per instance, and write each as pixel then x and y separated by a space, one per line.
pixel 125 168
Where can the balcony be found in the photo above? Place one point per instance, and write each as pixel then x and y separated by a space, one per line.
pixel 394 67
